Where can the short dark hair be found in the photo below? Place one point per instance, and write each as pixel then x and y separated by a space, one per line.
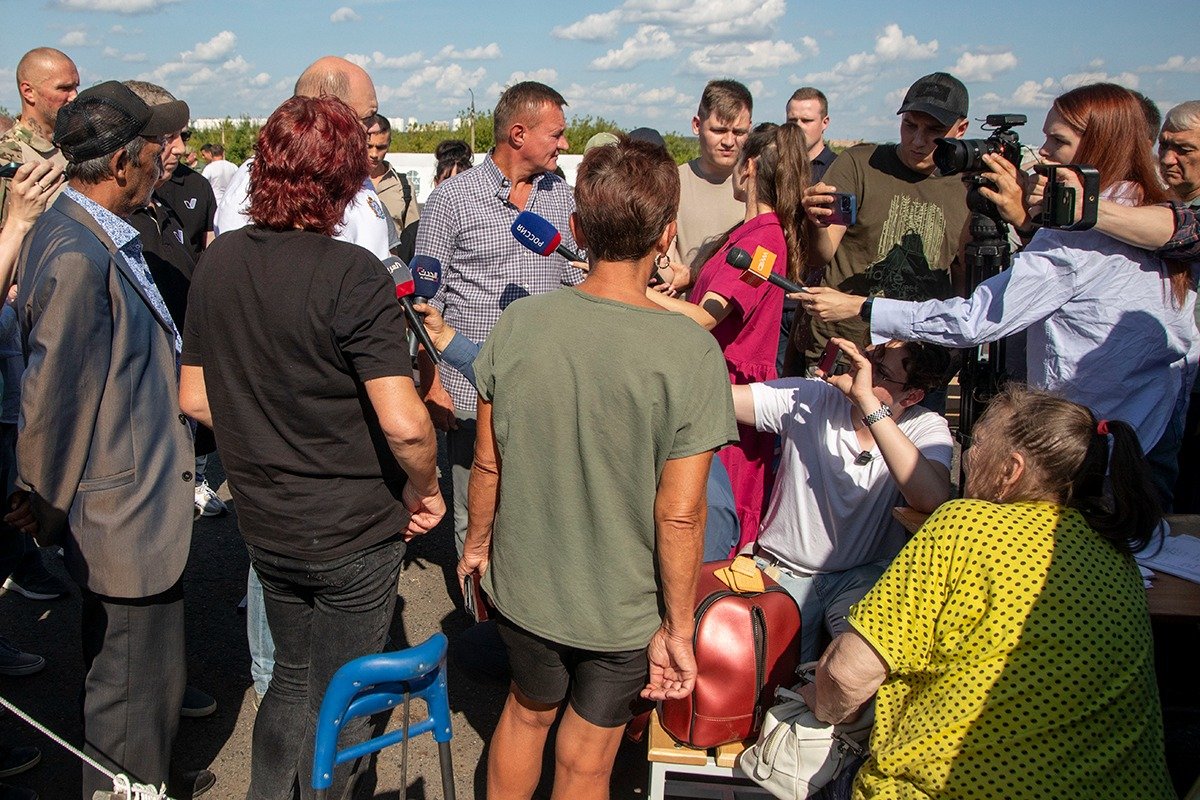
pixel 626 194
pixel 811 93
pixel 925 366
pixel 214 148
pixel 310 161
pixel 385 126
pixel 523 98
pixel 725 98
pixel 1154 117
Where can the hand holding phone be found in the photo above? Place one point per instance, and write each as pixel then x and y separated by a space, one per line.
pixel 844 208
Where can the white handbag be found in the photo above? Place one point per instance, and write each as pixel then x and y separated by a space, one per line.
pixel 796 754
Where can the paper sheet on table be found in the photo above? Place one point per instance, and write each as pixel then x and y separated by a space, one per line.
pixel 1178 556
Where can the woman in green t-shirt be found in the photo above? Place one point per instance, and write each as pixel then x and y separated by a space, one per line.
pixel 1009 641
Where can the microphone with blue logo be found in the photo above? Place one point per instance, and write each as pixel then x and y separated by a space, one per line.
pixel 407 288
pixel 539 235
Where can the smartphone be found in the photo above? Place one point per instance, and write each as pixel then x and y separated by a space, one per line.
pixel 9 169
pixel 828 365
pixel 845 209
pixel 473 599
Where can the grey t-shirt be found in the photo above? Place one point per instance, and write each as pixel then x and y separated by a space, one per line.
pixel 590 398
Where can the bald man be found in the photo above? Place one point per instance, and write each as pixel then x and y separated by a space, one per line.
pixel 46 81
pixel 366 222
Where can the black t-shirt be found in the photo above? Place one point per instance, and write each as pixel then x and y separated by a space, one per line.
pixel 288 326
pixel 190 196
pixel 167 255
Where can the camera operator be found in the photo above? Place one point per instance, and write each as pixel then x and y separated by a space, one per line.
pixel 1110 325
pixel 905 241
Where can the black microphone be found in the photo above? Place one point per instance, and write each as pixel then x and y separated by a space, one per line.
pixel 405 286
pixel 754 274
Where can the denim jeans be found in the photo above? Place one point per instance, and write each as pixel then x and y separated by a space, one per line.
pixel 322 614
pixel 258 635
pixel 824 598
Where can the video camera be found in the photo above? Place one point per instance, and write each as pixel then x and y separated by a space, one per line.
pixel 953 156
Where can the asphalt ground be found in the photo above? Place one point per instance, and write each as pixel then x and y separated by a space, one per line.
pixel 219 663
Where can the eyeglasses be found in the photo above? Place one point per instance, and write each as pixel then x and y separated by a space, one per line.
pixel 185 135
pixel 881 372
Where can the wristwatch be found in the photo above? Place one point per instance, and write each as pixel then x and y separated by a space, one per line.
pixel 876 415
pixel 864 311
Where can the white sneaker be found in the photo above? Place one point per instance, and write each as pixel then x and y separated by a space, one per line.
pixel 207 502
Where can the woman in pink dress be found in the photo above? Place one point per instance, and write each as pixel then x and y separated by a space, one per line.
pixel 769 178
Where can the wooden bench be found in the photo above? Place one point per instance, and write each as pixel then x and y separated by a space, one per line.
pixel 677 770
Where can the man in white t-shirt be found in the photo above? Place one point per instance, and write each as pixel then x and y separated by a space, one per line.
pixel 852 445
pixel 365 222
pixel 218 171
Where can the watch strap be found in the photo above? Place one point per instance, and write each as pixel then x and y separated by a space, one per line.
pixel 876 415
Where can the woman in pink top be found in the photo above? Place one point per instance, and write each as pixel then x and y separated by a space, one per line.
pixel 769 178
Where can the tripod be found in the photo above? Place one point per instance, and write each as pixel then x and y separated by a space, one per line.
pixel 983 372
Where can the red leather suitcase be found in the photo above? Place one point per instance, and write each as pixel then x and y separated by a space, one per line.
pixel 747 644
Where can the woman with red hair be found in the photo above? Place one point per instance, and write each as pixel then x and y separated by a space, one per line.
pixel 1110 326
pixel 295 354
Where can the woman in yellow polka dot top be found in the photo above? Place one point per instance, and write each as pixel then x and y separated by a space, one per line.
pixel 1009 641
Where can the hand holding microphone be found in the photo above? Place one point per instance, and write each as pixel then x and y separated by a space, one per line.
pixel 757 268
pixel 538 234
pixel 405 292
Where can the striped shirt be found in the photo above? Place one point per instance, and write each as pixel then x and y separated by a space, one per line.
pixel 466 226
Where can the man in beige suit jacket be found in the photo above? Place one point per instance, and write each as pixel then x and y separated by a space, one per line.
pixel 103 448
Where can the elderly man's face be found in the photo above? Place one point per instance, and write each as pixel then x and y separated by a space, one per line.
pixel 1179 160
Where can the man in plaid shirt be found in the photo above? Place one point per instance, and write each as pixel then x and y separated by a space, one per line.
pixel 466 226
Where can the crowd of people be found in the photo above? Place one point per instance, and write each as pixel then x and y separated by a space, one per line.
pixel 610 423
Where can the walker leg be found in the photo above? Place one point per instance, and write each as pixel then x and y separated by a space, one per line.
pixel 447 764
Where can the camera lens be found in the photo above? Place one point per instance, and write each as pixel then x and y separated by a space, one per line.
pixel 964 155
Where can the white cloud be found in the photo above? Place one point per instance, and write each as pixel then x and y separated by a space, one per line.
pixel 687 20
pixel 1177 64
pixel 378 60
pixel 115 6
pixel 121 55
pixel 743 59
pixel 592 28
pixel 855 75
pixel 982 66
pixel 214 49
pixel 451 82
pixel 707 20
pixel 547 75
pixel 1096 63
pixel 74 39
pixel 484 53
pixel 630 99
pixel 1030 94
pixel 1077 79
pixel 649 43
pixel 344 14
pixel 893 45
pixel 261 79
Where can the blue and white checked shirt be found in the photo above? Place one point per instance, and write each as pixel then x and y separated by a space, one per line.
pixel 126 238
pixel 466 225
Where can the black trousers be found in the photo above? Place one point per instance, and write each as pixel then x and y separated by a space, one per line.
pixel 134 676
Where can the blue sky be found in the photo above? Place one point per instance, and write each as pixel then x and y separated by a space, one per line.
pixel 638 62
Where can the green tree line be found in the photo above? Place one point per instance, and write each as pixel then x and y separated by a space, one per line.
pixel 238 136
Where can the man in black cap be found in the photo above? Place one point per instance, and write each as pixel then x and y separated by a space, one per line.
pixel 104 451
pixel 905 242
